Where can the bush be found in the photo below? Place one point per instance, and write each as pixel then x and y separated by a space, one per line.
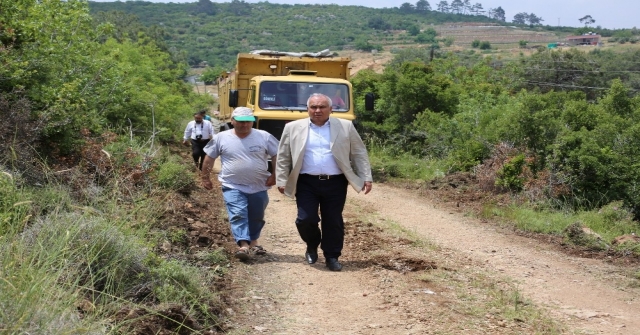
pixel 60 261
pixel 447 41
pixel 175 176
pixel 485 45
pixel 465 157
pixel 614 213
pixel 509 176
pixel 580 235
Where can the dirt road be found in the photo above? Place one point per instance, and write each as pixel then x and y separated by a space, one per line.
pixel 284 295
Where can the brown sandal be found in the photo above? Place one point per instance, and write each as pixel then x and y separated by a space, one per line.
pixel 258 250
pixel 242 254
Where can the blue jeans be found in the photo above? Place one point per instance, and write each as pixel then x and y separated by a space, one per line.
pixel 246 213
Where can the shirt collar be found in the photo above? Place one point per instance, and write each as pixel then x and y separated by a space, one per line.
pixel 328 123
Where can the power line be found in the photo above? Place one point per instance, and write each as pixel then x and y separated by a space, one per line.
pixel 577 70
pixel 591 62
pixel 570 86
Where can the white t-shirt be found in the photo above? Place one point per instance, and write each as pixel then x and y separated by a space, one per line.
pixel 243 160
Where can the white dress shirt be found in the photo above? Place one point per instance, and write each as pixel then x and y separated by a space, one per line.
pixel 193 129
pixel 318 158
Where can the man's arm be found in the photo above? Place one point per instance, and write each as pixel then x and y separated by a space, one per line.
pixel 272 178
pixel 360 159
pixel 213 129
pixel 187 134
pixel 207 165
pixel 283 159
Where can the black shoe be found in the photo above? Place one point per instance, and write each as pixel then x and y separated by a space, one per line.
pixel 311 257
pixel 333 264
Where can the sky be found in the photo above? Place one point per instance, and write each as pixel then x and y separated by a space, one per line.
pixel 612 14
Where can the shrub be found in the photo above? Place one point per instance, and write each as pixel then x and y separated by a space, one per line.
pixel 509 176
pixel 447 41
pixel 467 154
pixel 485 45
pixel 175 176
pixel 580 235
pixel 615 212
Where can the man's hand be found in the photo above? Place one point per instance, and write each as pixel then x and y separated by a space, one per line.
pixel 281 189
pixel 207 165
pixel 367 187
pixel 185 143
pixel 206 183
pixel 271 180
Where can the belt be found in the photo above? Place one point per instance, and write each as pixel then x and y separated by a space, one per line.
pixel 322 176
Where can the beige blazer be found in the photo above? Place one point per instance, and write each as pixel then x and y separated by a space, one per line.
pixel 347 148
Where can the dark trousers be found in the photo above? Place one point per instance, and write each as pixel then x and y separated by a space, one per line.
pixel 197 151
pixel 328 195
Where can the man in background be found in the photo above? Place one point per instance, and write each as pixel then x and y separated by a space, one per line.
pixel 205 117
pixel 198 132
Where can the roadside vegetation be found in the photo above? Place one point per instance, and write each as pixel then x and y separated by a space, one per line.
pixel 85 176
pixel 90 105
pixel 548 131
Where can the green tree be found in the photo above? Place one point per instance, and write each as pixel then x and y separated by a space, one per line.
pixel 443 6
pixel 423 6
pixel 477 9
pixel 533 19
pixel 413 88
pixel 207 7
pixel 211 74
pixel 239 8
pixel 79 86
pixel 378 23
pixel 365 45
pixel 563 71
pixel 520 18
pixel 427 36
pixel 457 6
pixel 497 14
pixel 407 8
pixel 587 20
pixel 413 30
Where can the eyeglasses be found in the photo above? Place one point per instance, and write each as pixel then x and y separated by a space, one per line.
pixel 318 107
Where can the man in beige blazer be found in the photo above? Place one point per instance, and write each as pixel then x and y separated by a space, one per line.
pixel 318 157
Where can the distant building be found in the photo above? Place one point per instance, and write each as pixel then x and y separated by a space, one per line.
pixel 586 39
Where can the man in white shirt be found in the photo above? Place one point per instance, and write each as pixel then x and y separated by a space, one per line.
pixel 198 132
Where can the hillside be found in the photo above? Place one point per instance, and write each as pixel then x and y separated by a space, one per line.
pixel 216 32
pixel 207 33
